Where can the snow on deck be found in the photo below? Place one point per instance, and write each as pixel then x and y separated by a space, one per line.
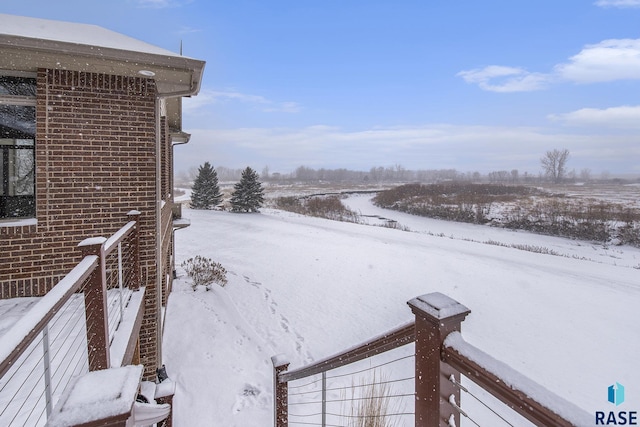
pixel 67 348
pixel 11 310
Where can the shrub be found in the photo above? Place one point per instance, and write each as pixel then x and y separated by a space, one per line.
pixel 329 207
pixel 518 207
pixel 204 272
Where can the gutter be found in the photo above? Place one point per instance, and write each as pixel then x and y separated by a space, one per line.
pixel 158 60
pixel 179 75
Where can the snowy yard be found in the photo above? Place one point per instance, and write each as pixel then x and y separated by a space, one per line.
pixel 309 288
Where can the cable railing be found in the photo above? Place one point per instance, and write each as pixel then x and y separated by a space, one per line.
pixel 121 263
pixel 47 351
pixel 426 375
pixel 481 408
pixel 520 395
pixel 68 331
pixel 371 380
pixel 380 388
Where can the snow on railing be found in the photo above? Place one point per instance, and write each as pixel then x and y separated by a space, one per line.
pixel 443 368
pixel 44 349
pixel 524 396
pixel 69 330
pixel 121 266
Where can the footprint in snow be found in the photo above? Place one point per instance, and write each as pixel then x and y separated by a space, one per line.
pixel 250 396
pixel 251 282
pixel 284 323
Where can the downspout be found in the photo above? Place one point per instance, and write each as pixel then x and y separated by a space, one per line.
pixel 159 101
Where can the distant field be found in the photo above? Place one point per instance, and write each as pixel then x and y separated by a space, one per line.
pixel 628 194
pixel 603 212
pixel 620 193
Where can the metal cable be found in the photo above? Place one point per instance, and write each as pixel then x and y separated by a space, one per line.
pixel 351 386
pixel 463 388
pixel 371 367
pixel 351 399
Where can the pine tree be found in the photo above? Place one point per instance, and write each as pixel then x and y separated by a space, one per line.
pixel 248 194
pixel 206 191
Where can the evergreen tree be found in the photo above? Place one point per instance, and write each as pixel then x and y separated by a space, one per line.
pixel 206 191
pixel 248 194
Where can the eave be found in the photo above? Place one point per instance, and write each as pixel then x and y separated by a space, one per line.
pixel 174 75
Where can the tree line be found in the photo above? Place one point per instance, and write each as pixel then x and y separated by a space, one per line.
pixel 554 168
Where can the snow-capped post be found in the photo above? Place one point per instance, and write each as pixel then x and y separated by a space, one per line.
pixel 136 278
pixel 437 316
pixel 95 301
pixel 280 392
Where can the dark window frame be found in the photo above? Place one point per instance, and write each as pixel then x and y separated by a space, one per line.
pixel 17 95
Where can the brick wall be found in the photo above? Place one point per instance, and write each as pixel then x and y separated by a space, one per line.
pixel 95 161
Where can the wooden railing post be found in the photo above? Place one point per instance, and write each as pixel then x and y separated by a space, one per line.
pixel 280 392
pixel 95 301
pixel 437 316
pixel 135 241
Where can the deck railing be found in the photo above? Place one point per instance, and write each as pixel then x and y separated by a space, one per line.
pixel 68 331
pixel 325 392
pixel 445 369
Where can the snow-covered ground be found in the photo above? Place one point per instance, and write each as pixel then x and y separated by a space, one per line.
pixel 309 288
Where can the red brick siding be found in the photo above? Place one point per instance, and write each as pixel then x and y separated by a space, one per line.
pixel 167 247
pixel 164 166
pixel 95 161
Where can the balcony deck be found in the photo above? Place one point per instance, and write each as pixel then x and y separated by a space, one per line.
pixel 66 345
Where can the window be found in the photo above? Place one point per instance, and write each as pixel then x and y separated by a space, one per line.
pixel 17 146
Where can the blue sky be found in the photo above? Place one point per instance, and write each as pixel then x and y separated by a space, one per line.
pixel 465 84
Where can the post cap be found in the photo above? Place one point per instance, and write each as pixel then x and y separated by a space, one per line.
pixel 438 306
pixel 91 241
pixel 279 360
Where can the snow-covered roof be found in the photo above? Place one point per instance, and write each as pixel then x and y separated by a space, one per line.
pixel 27 44
pixel 71 32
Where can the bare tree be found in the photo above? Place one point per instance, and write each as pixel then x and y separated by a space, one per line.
pixel 554 164
pixel 265 175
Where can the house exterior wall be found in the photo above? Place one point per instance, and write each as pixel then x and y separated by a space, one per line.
pixel 95 161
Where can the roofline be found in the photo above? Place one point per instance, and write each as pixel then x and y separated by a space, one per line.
pixel 146 60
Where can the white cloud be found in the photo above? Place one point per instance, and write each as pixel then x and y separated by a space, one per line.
pixel 609 60
pixel 618 3
pixel 496 78
pixel 465 148
pixel 207 97
pixel 625 117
